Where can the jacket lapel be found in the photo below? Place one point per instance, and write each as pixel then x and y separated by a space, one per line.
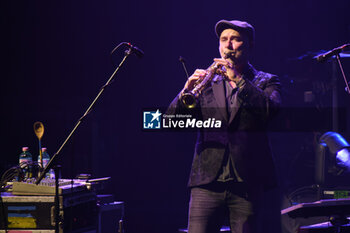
pixel 219 95
pixel 249 74
pixel 215 96
pixel 236 106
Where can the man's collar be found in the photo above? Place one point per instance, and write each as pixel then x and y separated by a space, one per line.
pixel 249 72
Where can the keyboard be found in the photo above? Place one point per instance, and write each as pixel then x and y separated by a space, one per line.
pixel 47 187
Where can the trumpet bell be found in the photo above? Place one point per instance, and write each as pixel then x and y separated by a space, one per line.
pixel 189 100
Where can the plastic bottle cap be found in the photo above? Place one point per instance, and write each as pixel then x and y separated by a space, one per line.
pixel 43 149
pixel 25 148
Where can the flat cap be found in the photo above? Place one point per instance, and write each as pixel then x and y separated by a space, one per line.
pixel 240 26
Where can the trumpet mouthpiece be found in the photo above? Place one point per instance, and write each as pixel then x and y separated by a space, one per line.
pixel 229 54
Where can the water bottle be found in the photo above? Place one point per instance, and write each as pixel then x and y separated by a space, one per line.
pixel 25 158
pixel 46 159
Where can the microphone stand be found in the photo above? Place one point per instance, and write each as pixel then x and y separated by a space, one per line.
pixel 335 52
pixel 335 119
pixel 182 60
pixel 50 163
pixel 343 74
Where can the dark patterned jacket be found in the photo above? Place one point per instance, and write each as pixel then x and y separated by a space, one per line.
pixel 244 133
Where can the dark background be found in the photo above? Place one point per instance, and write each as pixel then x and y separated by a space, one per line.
pixel 55 56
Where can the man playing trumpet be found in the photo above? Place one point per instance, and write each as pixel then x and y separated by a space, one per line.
pixel 231 166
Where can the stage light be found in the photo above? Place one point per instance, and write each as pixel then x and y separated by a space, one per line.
pixel 332 159
pixel 343 157
pixel 338 146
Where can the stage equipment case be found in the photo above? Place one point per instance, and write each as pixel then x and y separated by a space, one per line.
pixel 36 214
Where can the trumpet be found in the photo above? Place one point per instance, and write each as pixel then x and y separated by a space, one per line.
pixel 189 98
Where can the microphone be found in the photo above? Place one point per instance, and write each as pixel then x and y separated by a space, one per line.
pixel 134 49
pixel 325 56
pixel 182 60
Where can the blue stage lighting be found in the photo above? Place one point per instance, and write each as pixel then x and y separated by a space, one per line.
pixel 338 146
pixel 344 157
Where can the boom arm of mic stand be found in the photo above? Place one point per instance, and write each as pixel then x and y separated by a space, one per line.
pixel 49 164
pixel 343 74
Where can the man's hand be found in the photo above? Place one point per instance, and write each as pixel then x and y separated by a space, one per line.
pixel 191 81
pixel 232 76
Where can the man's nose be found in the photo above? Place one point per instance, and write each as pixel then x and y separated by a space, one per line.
pixel 229 45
